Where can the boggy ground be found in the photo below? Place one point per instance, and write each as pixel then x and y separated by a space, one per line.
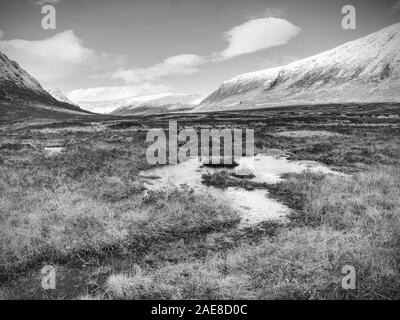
pixel 87 212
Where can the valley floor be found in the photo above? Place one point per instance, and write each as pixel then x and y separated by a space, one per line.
pixel 86 210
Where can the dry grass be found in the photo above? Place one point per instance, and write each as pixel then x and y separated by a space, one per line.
pixel 304 263
pixel 55 225
pixel 90 201
pixel 76 204
pixel 339 222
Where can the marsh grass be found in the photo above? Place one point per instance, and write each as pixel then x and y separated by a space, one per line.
pixel 223 179
pixel 357 224
pixel 89 201
pixel 60 224
pixel 348 149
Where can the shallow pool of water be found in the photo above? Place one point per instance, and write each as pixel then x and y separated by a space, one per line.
pixel 51 151
pixel 254 206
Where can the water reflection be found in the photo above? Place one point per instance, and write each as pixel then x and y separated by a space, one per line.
pixel 254 205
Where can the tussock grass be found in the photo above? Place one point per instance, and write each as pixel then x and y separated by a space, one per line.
pixel 365 200
pixel 138 285
pixel 179 281
pixel 76 204
pixel 364 208
pixel 224 179
pixel 3 294
pixel 89 200
pixel 339 222
pixel 347 149
pixel 55 225
pixel 303 263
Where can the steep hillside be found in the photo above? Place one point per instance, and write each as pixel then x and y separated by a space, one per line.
pixel 22 96
pixel 364 70
pixel 59 95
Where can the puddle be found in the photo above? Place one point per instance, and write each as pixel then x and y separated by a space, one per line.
pixel 254 206
pixel 269 168
pixel 51 151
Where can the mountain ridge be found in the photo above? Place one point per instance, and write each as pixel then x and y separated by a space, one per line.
pixel 22 96
pixel 60 96
pixel 151 104
pixel 363 70
pixel 163 104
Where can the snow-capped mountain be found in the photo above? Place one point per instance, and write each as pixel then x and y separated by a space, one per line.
pixel 22 96
pixel 14 80
pixel 59 95
pixel 364 70
pixel 109 106
pixel 104 107
pixel 162 104
pixel 150 104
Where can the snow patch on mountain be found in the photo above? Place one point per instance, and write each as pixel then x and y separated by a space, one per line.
pixel 165 103
pixel 59 95
pixel 149 104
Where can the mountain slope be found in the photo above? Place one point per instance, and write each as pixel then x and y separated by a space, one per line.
pixel 59 95
pixel 164 104
pixel 364 70
pixel 22 96
pixel 109 106
pixel 152 104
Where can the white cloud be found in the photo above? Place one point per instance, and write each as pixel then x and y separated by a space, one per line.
pixel 115 93
pixel 395 7
pixel 44 2
pixel 180 64
pixel 141 82
pixel 58 57
pixel 257 34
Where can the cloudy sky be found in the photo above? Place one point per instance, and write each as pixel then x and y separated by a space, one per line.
pixel 114 49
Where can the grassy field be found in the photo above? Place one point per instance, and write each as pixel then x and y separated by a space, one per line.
pixel 87 211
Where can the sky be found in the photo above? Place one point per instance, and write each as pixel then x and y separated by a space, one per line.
pixel 115 49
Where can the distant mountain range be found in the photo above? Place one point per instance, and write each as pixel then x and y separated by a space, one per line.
pixel 164 103
pixel 22 96
pixel 364 70
pixel 144 105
